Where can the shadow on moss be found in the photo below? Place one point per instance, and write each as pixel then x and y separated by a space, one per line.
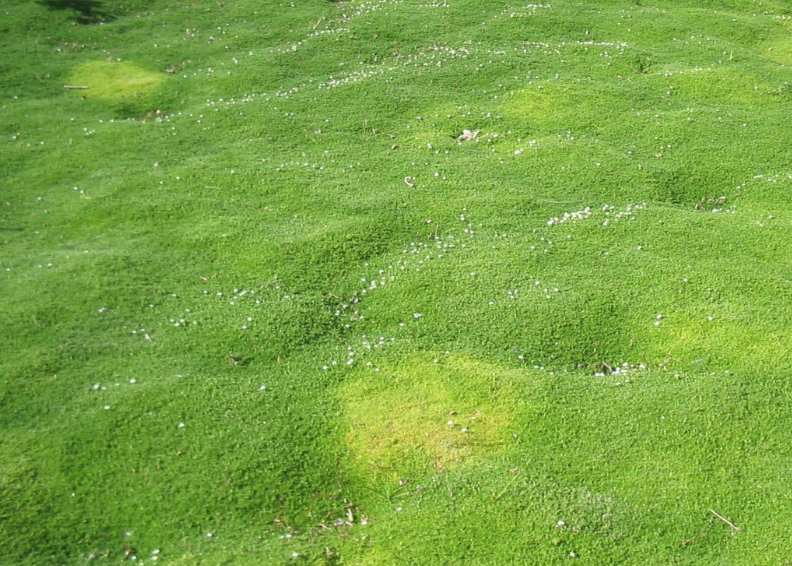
pixel 86 11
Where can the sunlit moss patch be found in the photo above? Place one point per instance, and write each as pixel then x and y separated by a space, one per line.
pixel 113 80
pixel 699 339
pixel 717 85
pixel 779 51
pixel 540 103
pixel 428 413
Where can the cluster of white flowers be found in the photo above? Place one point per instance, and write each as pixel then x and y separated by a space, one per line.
pixel 527 10
pixel 627 212
pixel 558 49
pixel 605 215
pixel 618 369
pixel 366 8
pixel 570 216
pixel 774 178
pixel 610 212
pixel 687 71
pixel 349 78
pixel 294 47
pixel 99 388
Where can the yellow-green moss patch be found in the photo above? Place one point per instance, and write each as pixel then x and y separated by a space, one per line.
pixel 689 338
pixel 718 85
pixel 424 414
pixel 112 80
pixel 541 103
pixel 779 51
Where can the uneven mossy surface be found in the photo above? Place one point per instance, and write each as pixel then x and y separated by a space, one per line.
pixel 266 302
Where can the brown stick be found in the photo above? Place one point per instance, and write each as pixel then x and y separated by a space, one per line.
pixel 75 87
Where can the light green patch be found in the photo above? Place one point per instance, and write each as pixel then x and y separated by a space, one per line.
pixel 441 125
pixel 375 556
pixel 540 103
pixel 113 80
pixel 420 414
pixel 557 104
pixel 726 340
pixel 718 85
pixel 779 51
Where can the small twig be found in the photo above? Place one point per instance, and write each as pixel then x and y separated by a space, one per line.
pixel 75 87
pixel 408 180
pixel 734 528
pixel 319 21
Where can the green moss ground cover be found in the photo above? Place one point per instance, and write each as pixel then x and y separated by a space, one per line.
pixel 266 302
